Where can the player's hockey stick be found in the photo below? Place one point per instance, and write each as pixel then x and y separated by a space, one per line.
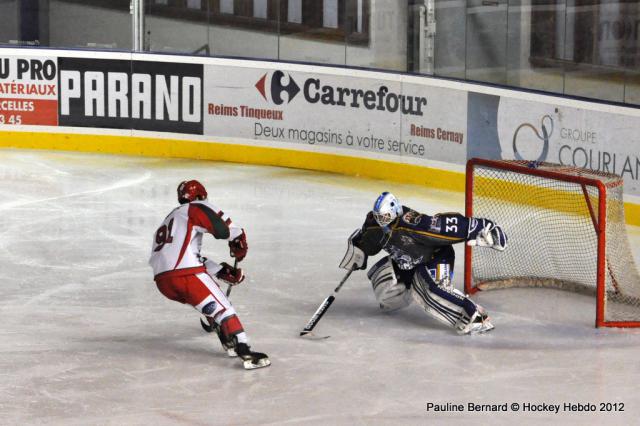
pixel 323 307
pixel 235 266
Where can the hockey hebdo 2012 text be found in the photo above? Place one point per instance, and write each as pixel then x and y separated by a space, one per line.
pixel 531 407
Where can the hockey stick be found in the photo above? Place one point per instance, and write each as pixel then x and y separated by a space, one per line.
pixel 323 307
pixel 235 266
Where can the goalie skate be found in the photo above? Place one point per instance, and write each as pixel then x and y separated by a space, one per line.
pixel 251 360
pixel 478 324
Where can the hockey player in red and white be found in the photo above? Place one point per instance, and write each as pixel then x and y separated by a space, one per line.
pixel 420 260
pixel 183 275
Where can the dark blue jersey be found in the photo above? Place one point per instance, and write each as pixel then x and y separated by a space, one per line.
pixel 413 237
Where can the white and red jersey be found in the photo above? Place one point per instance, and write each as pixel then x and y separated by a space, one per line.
pixel 177 242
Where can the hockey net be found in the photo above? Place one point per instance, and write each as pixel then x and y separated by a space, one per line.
pixel 566 229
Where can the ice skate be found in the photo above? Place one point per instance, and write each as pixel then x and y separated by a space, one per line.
pixel 227 346
pixel 251 360
pixel 478 324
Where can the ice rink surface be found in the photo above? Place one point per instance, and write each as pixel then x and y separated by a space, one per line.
pixel 86 338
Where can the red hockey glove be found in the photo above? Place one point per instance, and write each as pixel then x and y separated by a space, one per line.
pixel 231 275
pixel 238 247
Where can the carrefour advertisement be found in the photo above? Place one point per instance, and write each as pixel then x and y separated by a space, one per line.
pixel 362 115
pixel 28 91
pixel 511 128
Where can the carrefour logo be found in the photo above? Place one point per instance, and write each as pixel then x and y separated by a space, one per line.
pixel 278 88
pixel 283 87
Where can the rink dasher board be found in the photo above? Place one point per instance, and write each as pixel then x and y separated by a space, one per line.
pixel 340 114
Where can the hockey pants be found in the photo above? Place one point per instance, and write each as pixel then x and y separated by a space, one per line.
pixel 204 294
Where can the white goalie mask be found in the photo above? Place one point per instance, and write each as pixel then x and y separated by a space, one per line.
pixel 386 209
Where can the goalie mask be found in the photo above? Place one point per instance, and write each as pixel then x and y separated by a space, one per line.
pixel 191 190
pixel 386 209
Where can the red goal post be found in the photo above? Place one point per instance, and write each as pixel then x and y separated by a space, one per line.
pixel 566 230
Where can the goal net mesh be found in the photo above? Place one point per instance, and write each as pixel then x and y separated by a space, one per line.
pixel 551 226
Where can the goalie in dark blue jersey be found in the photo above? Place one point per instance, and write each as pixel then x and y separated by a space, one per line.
pixel 420 260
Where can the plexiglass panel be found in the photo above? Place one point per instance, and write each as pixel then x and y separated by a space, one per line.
pixel 486 41
pixel 632 88
pixel 586 48
pixel 450 46
pixel 245 28
pixel 98 24
pixel 9 22
pixel 377 34
pixel 177 26
pixel 535 44
pixel 313 31
pixel 590 54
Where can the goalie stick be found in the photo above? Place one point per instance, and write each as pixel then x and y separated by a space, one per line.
pixel 323 307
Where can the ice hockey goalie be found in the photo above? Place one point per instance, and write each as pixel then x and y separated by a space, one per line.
pixel 420 261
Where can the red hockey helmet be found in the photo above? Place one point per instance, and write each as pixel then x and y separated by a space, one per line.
pixel 190 190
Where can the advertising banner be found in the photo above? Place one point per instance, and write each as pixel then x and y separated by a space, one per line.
pixel 28 90
pixel 537 131
pixel 120 94
pixel 362 115
pixel 442 130
pixel 392 117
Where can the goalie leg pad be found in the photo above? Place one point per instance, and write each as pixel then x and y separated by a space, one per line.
pixel 447 305
pixel 390 293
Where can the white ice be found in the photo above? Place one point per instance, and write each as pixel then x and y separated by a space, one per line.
pixel 86 338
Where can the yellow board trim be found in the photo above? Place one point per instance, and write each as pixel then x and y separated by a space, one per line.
pixel 632 214
pixel 550 199
pixel 543 197
pixel 177 148
pixel 217 151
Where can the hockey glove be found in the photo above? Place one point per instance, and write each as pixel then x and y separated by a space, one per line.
pixel 238 247
pixel 476 226
pixel 354 258
pixel 230 275
pixel 211 266
pixel 492 236
pixel 499 238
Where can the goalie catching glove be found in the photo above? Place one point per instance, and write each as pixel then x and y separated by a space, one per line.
pixel 238 247
pixel 229 274
pixel 354 258
pixel 485 233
